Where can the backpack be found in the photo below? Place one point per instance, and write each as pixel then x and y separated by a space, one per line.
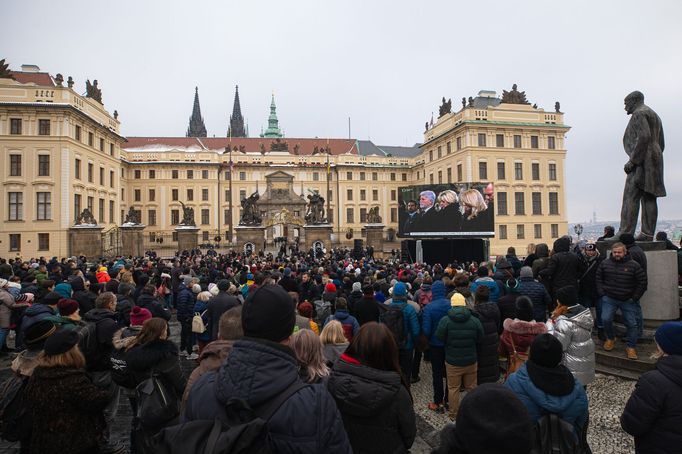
pixel 15 419
pixel 553 435
pixel 394 319
pixel 244 432
pixel 157 403
pixel 323 309
pixel 424 298
pixel 198 325
pixel 88 341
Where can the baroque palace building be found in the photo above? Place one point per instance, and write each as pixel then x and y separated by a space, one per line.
pixel 62 152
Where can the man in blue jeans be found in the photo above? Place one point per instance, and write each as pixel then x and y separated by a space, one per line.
pixel 620 282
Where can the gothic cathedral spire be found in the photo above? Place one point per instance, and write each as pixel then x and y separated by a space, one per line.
pixel 236 127
pixel 196 122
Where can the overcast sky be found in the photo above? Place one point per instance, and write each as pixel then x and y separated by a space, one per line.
pixel 385 64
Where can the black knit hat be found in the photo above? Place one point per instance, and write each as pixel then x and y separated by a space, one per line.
pixel 37 333
pixel 52 298
pixel 491 419
pixel 269 314
pixel 223 285
pixel 567 296
pixel 546 350
pixel 61 342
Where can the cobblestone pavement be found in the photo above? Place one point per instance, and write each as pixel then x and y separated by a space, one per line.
pixel 607 399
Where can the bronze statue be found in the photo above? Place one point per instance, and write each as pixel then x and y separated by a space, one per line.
pixel 514 96
pixel 86 217
pixel 279 145
pixel 133 216
pixel 5 73
pixel 250 214
pixel 297 149
pixel 373 216
pixel 59 79
pixel 644 144
pixel 464 103
pixel 70 82
pixel 315 210
pixel 471 101
pixel 426 126
pixel 445 107
pixel 557 107
pixel 115 114
pixel 92 91
pixel 187 216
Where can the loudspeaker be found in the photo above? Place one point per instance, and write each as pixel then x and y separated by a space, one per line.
pixel 357 249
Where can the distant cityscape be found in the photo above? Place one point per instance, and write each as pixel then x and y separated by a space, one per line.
pixel 593 230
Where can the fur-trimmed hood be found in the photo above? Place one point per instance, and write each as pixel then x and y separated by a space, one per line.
pixel 517 326
pixel 125 336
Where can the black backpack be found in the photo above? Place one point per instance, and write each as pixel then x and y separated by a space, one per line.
pixel 244 432
pixel 15 419
pixel 394 319
pixel 88 340
pixel 157 403
pixel 553 435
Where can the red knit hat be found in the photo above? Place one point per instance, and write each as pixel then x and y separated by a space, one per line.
pixel 330 288
pixel 67 306
pixel 138 316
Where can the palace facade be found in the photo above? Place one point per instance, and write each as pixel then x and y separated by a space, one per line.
pixel 63 152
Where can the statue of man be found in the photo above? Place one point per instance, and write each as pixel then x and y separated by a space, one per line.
pixel 643 143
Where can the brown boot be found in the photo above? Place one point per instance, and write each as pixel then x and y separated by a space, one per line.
pixel 609 344
pixel 631 352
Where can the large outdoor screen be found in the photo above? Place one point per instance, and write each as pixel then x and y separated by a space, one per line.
pixel 447 210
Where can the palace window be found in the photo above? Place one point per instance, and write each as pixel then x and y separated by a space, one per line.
pixel 43 127
pixel 204 194
pixel 519 203
pixel 551 142
pixel 537 231
pixel 535 171
pixel 190 194
pixel 44 165
pixel 16 206
pixel 501 203
pixel 204 174
pixel 517 141
pixel 483 170
pixel 15 126
pixel 501 171
pixel 518 170
pixel 503 232
pixel 554 230
pixel 15 165
pixel 205 216
pixel 190 174
pixel 553 203
pixel 151 217
pixel 350 217
pixel 481 140
pixel 534 142
pixel 175 217
pixel 43 241
pixel 14 242
pixel 537 202
pixel 520 232
pixel 499 140
pixel 552 172
pixel 174 174
pixel 78 133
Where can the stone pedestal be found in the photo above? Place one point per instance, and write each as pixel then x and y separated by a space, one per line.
pixel 312 233
pixel 86 239
pixel 661 301
pixel 375 238
pixel 187 238
pixel 132 239
pixel 249 234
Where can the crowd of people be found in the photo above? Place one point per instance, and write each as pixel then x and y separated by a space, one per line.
pixel 319 353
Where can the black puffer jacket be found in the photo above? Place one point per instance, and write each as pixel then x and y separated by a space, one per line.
pixel 376 409
pixel 153 305
pixel 621 280
pixel 99 359
pixel 653 414
pixel 564 267
pixel 258 371
pixel 85 298
pixel 488 363
pixel 160 356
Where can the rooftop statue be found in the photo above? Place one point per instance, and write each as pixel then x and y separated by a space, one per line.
pixel 514 96
pixel 445 107
pixel 92 91
pixel 133 216
pixel 86 217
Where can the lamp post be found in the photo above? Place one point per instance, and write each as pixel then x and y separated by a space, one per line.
pixel 578 229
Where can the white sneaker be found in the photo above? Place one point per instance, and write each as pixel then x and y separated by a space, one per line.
pixel 183 353
pixel 195 348
pixel 193 356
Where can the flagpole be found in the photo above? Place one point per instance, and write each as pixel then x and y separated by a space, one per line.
pixel 328 174
pixel 229 206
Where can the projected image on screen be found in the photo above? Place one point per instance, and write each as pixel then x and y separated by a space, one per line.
pixel 447 210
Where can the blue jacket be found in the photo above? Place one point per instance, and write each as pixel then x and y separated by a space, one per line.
pixel 411 321
pixel 535 291
pixel 434 312
pixel 491 284
pixel 257 371
pixel 572 407
pixel 185 302
pixel 343 317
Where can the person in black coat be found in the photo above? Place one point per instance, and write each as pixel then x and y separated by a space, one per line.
pixel 489 315
pixel 149 353
pixel 148 300
pixel 375 404
pixel 367 309
pixel 218 305
pixel 564 267
pixel 82 294
pixel 653 414
pixel 259 368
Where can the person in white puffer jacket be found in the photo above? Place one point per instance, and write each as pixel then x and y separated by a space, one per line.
pixel 572 324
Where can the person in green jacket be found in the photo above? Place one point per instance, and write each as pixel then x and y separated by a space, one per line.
pixel 69 315
pixel 461 333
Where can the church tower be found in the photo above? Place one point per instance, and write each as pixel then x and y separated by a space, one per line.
pixel 236 127
pixel 273 130
pixel 196 122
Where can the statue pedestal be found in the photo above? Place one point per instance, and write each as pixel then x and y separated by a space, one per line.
pixel 313 233
pixel 132 240
pixel 187 237
pixel 375 237
pixel 661 301
pixel 86 239
pixel 249 234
